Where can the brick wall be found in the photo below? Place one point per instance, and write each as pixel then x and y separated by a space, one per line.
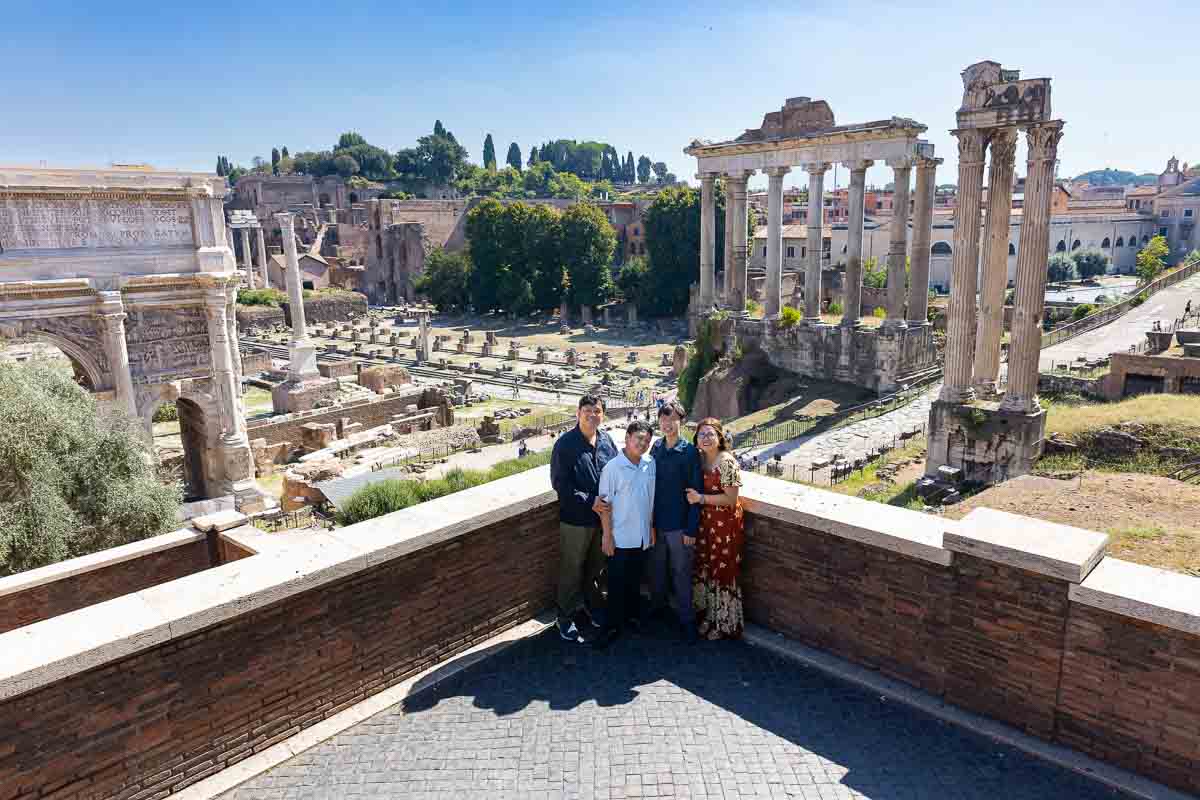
pixel 332 307
pixel 180 711
pixel 61 595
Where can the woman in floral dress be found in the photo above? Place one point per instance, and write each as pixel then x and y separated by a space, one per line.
pixel 716 593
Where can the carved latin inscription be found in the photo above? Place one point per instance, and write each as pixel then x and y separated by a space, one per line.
pixel 41 222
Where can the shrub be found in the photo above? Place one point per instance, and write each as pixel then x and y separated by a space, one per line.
pixel 753 308
pixel 789 317
pixel 1103 299
pixel 835 308
pixel 260 297
pixel 879 313
pixel 1060 268
pixel 1082 310
pixel 167 412
pixel 1090 263
pixel 1137 300
pixel 74 481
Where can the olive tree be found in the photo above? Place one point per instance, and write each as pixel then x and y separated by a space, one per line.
pixel 74 480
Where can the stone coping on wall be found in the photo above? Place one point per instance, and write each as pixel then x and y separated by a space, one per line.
pixel 33 578
pixel 910 533
pixel 1047 548
pixel 1158 596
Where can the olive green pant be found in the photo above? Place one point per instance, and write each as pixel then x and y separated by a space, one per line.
pixel 580 564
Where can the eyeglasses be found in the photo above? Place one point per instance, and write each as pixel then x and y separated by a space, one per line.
pixel 706 435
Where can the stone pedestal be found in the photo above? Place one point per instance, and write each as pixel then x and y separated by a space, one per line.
pixel 461 347
pixel 487 348
pixel 987 443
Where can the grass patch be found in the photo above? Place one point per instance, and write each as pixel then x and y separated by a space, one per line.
pixel 867 485
pixel 387 496
pixel 260 297
pixel 1168 410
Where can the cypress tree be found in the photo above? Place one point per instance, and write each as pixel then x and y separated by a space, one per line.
pixel 514 156
pixel 284 151
pixel 438 128
pixel 533 155
pixel 489 153
pixel 274 161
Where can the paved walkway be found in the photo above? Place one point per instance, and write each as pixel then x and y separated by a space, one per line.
pixel 851 441
pixel 653 718
pixel 1128 329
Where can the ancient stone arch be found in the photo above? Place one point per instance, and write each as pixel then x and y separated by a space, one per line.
pixel 130 274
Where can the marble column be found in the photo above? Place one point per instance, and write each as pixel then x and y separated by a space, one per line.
pixel 852 305
pixel 815 240
pixel 224 388
pixel 898 246
pixel 773 299
pixel 739 249
pixel 303 360
pixel 964 269
pixel 262 258
pixel 922 224
pixel 708 267
pixel 248 257
pixel 989 329
pixel 729 280
pixel 112 328
pixel 1021 394
pixel 235 350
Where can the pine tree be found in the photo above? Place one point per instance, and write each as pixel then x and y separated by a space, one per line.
pixel 514 156
pixel 489 153
pixel 438 128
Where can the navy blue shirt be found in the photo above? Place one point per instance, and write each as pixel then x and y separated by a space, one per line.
pixel 575 467
pixel 678 469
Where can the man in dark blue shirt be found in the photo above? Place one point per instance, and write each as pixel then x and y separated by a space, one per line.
pixel 675 520
pixel 578 458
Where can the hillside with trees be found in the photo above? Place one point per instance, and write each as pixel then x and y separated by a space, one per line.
pixel 1116 177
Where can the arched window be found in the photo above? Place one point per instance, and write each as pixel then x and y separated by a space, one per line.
pixel 941 249
pixel 1062 247
pixel 1075 245
pixel 1012 249
pixel 1120 241
pixel 1105 244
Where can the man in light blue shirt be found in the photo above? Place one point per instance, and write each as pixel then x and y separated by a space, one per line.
pixel 627 484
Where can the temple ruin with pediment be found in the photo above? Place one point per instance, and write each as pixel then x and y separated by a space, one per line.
pixel 804 134
pixel 129 273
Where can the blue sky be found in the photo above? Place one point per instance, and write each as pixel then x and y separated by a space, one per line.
pixel 173 84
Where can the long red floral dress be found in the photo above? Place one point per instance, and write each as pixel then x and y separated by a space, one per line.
pixel 716 593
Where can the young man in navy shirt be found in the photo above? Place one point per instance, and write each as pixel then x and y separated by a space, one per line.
pixel 676 522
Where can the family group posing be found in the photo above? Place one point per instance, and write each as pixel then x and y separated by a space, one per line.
pixel 674 505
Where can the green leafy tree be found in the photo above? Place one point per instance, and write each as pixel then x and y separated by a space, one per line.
pixel 446 280
pixel 74 480
pixel 1090 263
pixel 1152 258
pixel 660 171
pixel 1082 310
pixel 514 156
pixel 630 174
pixel 643 169
pixel 874 273
pixel 533 156
pixel 350 139
pixel 541 252
pixel 672 225
pixel 275 160
pixel 284 152
pixel 635 284
pixel 1060 267
pixel 345 165
pixel 438 128
pixel 489 153
pixel 485 223
pixel 588 243
pixel 437 159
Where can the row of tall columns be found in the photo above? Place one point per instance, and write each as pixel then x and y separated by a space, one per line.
pixel 1021 394
pixel 922 222
pixel 816 225
pixel 854 240
pixel 973 340
pixel 302 363
pixel 247 257
pixel 989 330
pixel 774 288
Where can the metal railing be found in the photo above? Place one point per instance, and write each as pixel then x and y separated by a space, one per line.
pixel 1110 312
pixel 307 517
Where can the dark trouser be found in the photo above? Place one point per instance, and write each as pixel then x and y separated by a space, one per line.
pixel 672 559
pixel 624 585
pixel 580 562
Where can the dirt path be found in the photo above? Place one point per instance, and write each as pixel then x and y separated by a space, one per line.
pixel 1151 520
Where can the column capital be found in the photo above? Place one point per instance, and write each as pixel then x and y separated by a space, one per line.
pixel 971 144
pixel 858 165
pixel 901 162
pixel 707 176
pixel 928 163
pixel 739 175
pixel 111 322
pixel 777 172
pixel 1043 140
pixel 285 219
pixel 817 167
pixel 1003 144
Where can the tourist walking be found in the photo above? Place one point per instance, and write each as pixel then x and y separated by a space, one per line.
pixel 676 521
pixel 716 592
pixel 627 484
pixel 578 458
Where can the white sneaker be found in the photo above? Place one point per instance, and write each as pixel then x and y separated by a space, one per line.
pixel 568 631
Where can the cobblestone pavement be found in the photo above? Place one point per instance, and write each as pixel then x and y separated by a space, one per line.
pixel 850 441
pixel 1128 329
pixel 651 717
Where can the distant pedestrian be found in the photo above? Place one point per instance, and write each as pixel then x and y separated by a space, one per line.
pixel 1187 309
